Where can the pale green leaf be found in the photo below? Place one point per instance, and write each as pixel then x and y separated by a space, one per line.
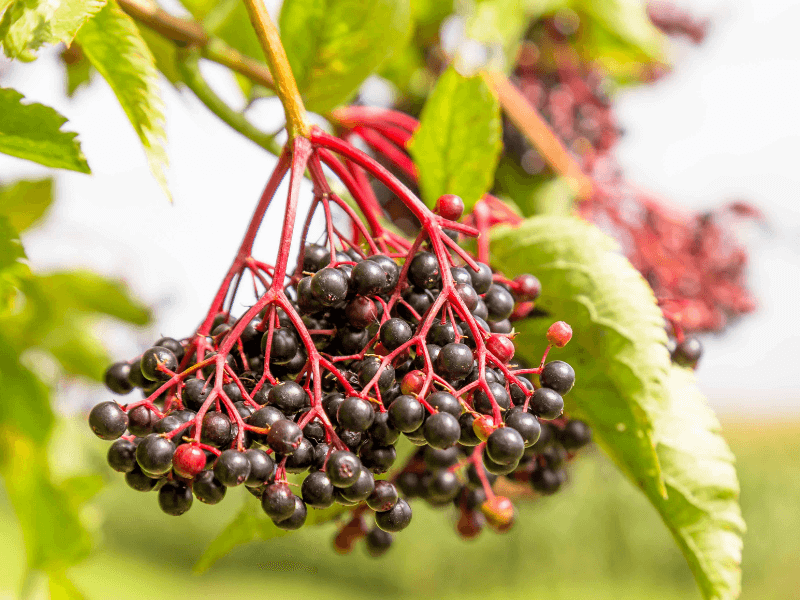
pixel 112 43
pixel 458 143
pixel 25 202
pixel 334 45
pixel 33 132
pixel 29 24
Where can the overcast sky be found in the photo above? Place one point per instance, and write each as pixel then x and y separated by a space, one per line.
pixel 724 125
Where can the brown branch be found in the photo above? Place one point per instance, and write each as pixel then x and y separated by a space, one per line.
pixel 538 132
pixel 186 32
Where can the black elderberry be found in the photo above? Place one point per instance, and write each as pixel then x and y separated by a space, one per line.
pixel 301 459
pixel 468 295
pixel 314 431
pixel 454 361
pixel 175 498
pixel 368 278
pixel 351 340
pixel 116 378
pixel 517 394
pixel 370 367
pixel 481 279
pixel 394 333
pixel 307 302
pixel 351 439
pixel 317 490
pixel 688 352
pixel 108 421
pixel 207 488
pixel 264 418
pixel 418 299
pixel 441 334
pixel 135 377
pixel 320 456
pixel 141 420
pixel 473 478
pixel 376 457
pixel 244 410
pixel 498 468
pixel 343 468
pixel 499 302
pixel 355 414
pixel 294 366
pixel 284 437
pixel 262 467
pixel 445 402
pixel 195 392
pixel 406 413
pixel 381 431
pixel 437 458
pixel 396 519
pixel 216 429
pixel 156 358
pixel 383 497
pixel 442 487
pixel 278 501
pixel 417 437
pixel 424 271
pixel 297 519
pixel 576 434
pixel 546 403
pixel 232 468
pixel 168 424
pixel 525 424
pixel 139 481
pixel 505 446
pixel 441 430
pixel 361 488
pixel 419 360
pixel 329 286
pixel 554 456
pixel 154 454
pixel 172 345
pixel 466 330
pixel 468 436
pixel 408 483
pixel 378 542
pixel 122 456
pixel 283 346
pixel 559 376
pixel 331 404
pixel 313 257
pixel 503 326
pixel 390 268
pixel 480 311
pixel 460 275
pixel 483 404
pixel 547 481
pixel 361 311
pixel 288 397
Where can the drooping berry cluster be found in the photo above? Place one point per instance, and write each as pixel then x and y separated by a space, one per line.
pixel 367 338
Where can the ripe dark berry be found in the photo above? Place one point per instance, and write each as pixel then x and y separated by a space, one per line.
pixel 688 352
pixel 297 519
pixel 368 278
pixel 499 302
pixel 278 501
pixel 232 468
pixel 141 420
pixel 283 347
pixel 505 446
pixel 175 498
pixel 264 418
pixel 436 458
pixel 288 397
pixel 441 430
pixel 454 361
pixel 547 481
pixel 546 404
pixel 172 345
pixel 441 334
pixel 122 456
pixel 450 207
pixel 355 414
pixel 442 487
pixel 383 497
pixel 108 421
pixel 343 468
pixel 154 454
pixel 376 457
pixel 156 357
pixel 284 437
pixel 361 311
pixel 329 286
pixel 517 394
pixel 195 393
pixel 307 302
pixel 527 287
pixel 317 490
pixel 468 295
pixel 382 432
pixel 576 434
pixel 390 268
pixel 396 519
pixel 526 424
pixel 468 436
pixel 361 488
pixel 418 299
pixel 135 378
pixel 188 460
pixel 559 376
pixel 313 257
pixel 378 542
pixel 482 403
pixel 481 279
pixel 394 333
pixel 139 481
pixel 351 439
pixel 116 378
pixel 460 275
pixel 301 458
pixel 424 271
pixel 497 468
pixel 331 404
pixel 352 341
pixel 445 402
pixel 406 413
pixel 217 429
pixel 262 467
pixel 208 489
pixel 370 367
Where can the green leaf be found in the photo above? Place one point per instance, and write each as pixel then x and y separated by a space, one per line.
pixel 251 524
pixel 702 508
pixel 628 20
pixel 112 43
pixel 78 69
pixel 334 45
pixel 26 402
pixel 618 349
pixel 646 414
pixel 33 132
pixel 458 143
pixel 29 24
pixel 164 53
pixel 25 202
pixel 541 194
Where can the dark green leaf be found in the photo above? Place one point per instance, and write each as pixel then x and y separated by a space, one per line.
pixel 29 24
pixel 25 202
pixel 112 43
pixel 33 132
pixel 334 45
pixel 458 142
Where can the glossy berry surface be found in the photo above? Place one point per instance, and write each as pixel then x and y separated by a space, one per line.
pixel 108 421
pixel 558 376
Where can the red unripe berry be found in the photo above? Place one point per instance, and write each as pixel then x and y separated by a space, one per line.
pixel 470 524
pixel 559 334
pixel 527 288
pixel 412 383
pixel 188 460
pixel 501 346
pixel 450 207
pixel 483 426
pixel 499 512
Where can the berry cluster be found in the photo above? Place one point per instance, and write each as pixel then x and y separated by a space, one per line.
pixel 367 338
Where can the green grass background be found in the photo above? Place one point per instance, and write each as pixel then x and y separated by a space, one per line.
pixel 598 539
